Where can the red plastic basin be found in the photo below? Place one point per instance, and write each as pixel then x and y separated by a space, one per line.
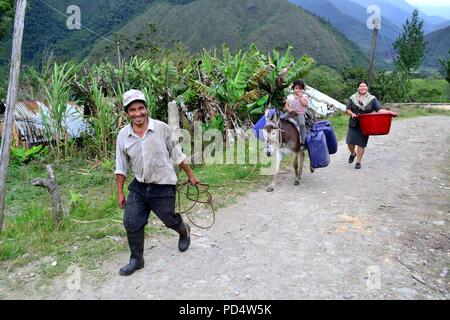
pixel 376 124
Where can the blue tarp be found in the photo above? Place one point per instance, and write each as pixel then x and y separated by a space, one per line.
pixel 259 126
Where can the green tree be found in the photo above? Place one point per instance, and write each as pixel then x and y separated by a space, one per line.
pixel 410 46
pixel 6 16
pixel 386 86
pixel 446 65
pixel 328 81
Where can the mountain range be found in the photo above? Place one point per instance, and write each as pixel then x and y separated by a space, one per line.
pixel 334 32
pixel 267 23
pixel 197 23
pixel 437 46
pixel 397 11
pixel 350 17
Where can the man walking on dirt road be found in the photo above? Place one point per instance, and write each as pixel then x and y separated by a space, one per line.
pixel 149 148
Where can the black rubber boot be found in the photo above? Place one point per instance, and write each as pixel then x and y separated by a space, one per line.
pixel 185 236
pixel 136 243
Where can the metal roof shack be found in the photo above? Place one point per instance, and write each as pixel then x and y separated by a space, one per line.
pixel 28 128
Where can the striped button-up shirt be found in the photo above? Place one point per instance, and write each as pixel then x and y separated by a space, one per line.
pixel 150 158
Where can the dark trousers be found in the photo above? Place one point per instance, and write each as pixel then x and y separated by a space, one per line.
pixel 143 198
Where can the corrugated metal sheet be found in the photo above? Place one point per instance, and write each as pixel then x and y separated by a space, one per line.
pixel 28 121
pixel 76 124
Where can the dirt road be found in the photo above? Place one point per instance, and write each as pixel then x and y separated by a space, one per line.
pixel 377 233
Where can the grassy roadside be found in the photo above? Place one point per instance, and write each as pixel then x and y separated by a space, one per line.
pixel 92 228
pixel 412 112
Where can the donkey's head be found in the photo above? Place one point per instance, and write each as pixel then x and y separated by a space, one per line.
pixel 271 132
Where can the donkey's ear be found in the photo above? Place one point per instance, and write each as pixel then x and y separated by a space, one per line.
pixel 266 113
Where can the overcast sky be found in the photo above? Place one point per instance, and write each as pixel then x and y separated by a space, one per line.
pixel 440 3
pixel 433 7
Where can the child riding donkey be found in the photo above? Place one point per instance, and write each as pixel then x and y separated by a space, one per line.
pixel 296 106
pixel 288 133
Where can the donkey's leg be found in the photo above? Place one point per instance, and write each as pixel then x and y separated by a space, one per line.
pixel 300 163
pixel 310 166
pixel 296 168
pixel 271 188
pixel 276 168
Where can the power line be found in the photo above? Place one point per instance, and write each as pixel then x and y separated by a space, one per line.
pixel 63 14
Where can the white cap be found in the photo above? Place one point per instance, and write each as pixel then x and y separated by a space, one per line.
pixel 132 95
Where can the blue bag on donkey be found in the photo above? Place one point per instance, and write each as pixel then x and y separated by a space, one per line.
pixel 319 155
pixel 327 128
pixel 261 124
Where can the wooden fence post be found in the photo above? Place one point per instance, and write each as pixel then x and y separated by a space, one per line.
pixel 52 187
pixel 11 102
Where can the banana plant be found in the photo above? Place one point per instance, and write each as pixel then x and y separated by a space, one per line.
pixel 23 155
pixel 282 70
pixel 229 81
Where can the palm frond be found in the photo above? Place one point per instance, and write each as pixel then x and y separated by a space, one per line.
pixel 287 58
pixel 300 69
pixel 202 88
pixel 257 78
pixel 253 95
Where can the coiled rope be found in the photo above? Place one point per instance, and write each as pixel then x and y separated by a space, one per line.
pixel 193 194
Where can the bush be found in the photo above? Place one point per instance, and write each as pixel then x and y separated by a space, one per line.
pixel 386 86
pixel 429 90
pixel 328 81
pixel 22 155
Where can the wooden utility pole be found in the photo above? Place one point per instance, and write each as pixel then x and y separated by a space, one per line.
pixel 8 123
pixel 118 55
pixel 376 25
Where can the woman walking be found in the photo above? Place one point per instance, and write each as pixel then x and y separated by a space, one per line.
pixel 360 103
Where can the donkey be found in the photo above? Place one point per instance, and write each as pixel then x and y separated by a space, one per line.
pixel 281 136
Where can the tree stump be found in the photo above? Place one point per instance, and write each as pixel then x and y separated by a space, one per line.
pixel 52 187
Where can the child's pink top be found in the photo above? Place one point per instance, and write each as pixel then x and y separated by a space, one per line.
pixel 294 103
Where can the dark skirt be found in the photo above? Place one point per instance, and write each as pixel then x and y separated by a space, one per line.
pixel 355 137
